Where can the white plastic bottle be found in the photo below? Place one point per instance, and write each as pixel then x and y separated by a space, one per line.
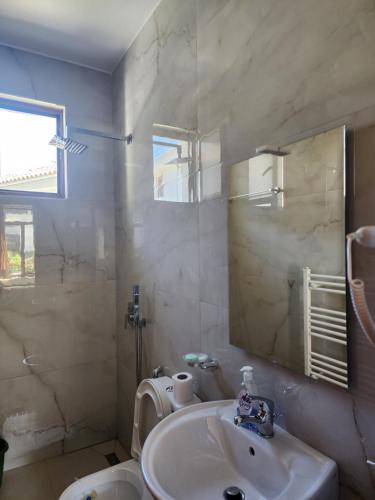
pixel 248 380
pixel 245 403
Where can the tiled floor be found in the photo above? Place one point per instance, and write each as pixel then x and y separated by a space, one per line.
pixel 47 480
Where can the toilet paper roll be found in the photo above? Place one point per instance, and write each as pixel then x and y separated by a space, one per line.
pixel 182 387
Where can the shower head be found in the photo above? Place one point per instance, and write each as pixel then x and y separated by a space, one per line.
pixel 67 144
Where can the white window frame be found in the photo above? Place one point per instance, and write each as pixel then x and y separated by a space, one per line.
pixel 40 108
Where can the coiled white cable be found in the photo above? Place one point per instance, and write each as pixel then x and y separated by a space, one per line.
pixel 365 236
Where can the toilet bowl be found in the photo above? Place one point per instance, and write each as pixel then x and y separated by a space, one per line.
pixel 153 402
pixel 120 482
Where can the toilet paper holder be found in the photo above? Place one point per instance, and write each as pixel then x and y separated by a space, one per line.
pixel 201 360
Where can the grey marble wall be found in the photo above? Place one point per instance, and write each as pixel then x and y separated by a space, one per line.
pixel 243 73
pixel 66 398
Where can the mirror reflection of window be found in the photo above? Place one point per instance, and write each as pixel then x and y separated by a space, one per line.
pixel 259 180
pixel 266 175
pixel 17 252
pixel 175 170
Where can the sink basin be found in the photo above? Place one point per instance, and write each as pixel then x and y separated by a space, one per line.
pixel 198 452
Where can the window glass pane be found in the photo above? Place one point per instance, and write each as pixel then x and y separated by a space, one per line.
pixel 17 252
pixel 29 250
pixel 27 161
pixel 13 240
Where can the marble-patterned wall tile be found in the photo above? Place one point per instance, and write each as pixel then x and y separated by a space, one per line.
pixel 64 323
pixel 56 327
pixel 243 73
pixel 31 420
pixel 214 340
pixel 175 331
pixel 280 74
pixel 161 69
pixel 58 411
pixel 155 84
pixel 173 256
pixel 74 241
pixel 86 395
pixel 12 354
pixel 213 254
pixel 90 175
pixel 227 99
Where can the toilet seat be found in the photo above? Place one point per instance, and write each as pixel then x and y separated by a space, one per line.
pixel 125 479
pixel 157 390
pixel 119 482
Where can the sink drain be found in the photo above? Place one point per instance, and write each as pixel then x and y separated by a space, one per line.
pixel 233 493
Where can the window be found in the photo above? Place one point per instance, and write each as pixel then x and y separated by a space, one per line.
pixel 28 164
pixel 17 254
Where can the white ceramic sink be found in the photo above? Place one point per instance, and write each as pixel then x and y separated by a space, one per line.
pixel 198 452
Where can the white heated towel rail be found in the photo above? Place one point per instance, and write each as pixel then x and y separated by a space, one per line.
pixel 326 324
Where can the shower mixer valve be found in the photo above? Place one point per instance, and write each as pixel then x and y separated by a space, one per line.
pixel 134 317
pixel 135 320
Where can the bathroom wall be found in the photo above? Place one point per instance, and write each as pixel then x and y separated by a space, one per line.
pixel 65 399
pixel 243 73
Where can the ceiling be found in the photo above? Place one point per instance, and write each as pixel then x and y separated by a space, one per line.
pixel 93 33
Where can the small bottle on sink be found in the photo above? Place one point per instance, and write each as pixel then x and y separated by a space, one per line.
pixel 246 405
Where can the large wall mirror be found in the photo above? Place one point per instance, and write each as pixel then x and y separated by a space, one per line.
pixel 287 256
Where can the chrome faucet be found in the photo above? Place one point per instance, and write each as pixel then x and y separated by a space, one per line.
pixel 263 420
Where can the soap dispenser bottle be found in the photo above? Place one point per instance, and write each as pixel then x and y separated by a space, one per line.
pixel 248 380
pixel 245 404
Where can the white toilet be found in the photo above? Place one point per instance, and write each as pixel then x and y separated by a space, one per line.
pixel 153 402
